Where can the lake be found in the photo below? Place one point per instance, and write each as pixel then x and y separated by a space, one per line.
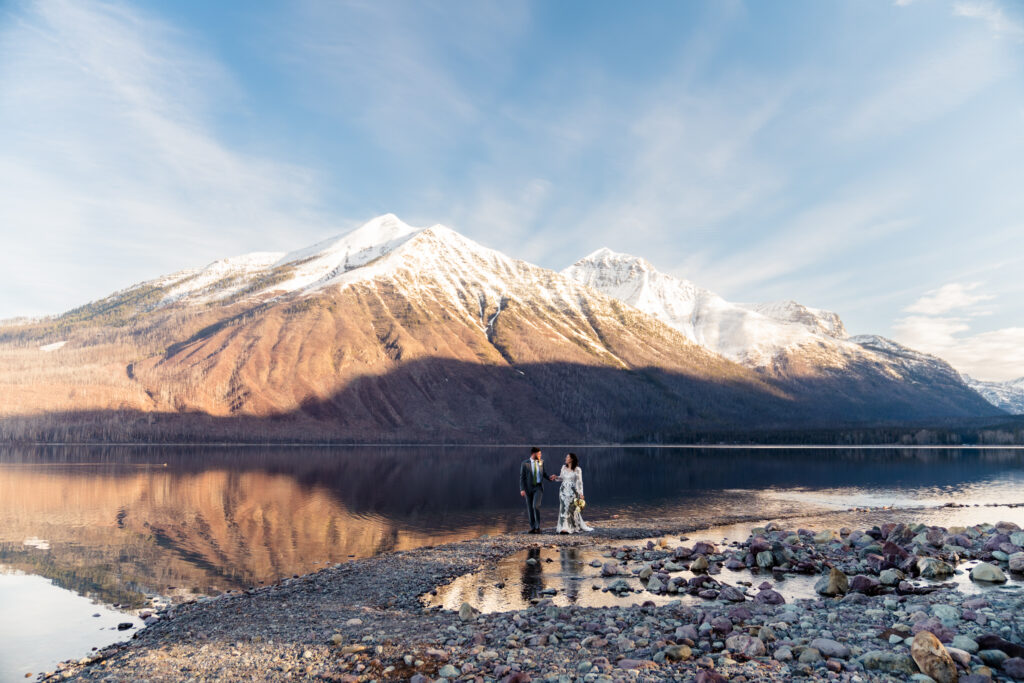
pixel 110 530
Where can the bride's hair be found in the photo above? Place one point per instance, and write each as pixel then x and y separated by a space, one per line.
pixel 574 460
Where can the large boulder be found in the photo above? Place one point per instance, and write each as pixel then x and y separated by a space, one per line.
pixel 989 573
pixel 932 658
pixel 932 568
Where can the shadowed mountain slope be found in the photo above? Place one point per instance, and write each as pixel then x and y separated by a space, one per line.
pixel 392 332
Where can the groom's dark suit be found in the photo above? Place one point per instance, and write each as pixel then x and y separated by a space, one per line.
pixel 534 489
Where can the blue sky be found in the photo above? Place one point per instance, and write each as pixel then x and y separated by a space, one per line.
pixel 865 157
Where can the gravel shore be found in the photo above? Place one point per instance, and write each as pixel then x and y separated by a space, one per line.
pixel 882 613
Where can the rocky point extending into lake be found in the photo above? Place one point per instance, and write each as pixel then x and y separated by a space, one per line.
pixel 888 607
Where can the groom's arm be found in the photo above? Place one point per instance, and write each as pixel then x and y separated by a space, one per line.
pixel 522 478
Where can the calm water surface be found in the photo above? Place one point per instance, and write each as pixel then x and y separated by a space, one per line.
pixel 122 525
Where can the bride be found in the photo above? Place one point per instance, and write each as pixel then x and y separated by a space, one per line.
pixel 570 497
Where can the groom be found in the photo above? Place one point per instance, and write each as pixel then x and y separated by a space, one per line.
pixel 531 486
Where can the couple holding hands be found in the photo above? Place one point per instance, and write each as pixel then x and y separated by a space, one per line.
pixel 570 495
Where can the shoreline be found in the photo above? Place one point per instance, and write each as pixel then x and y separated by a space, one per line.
pixel 353 621
pixel 682 446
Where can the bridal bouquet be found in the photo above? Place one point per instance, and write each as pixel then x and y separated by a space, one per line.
pixel 579 503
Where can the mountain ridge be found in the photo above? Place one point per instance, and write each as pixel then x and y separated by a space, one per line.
pixel 421 333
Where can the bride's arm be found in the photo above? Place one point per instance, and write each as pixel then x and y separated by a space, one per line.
pixel 579 481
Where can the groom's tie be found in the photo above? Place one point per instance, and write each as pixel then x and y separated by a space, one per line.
pixel 536 473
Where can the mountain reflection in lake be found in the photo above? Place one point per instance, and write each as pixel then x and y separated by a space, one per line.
pixel 118 522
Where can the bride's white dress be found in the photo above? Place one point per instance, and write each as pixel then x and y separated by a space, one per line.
pixel 569 517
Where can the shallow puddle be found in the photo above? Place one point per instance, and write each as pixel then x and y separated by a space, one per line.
pixel 567 576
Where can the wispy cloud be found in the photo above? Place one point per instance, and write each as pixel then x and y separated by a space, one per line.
pixel 381 66
pixel 947 298
pixel 993 16
pixel 993 354
pixel 923 89
pixel 109 148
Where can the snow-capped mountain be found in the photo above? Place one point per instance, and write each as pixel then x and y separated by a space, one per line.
pixel 752 334
pixel 786 340
pixel 398 332
pixel 1007 395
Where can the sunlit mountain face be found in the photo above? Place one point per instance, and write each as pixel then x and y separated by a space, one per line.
pixel 394 333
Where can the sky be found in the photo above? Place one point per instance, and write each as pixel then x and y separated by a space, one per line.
pixel 865 157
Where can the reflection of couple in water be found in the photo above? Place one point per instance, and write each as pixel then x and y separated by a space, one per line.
pixel 532 476
pixel 532 574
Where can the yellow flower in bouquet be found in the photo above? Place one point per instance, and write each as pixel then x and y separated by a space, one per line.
pixel 580 503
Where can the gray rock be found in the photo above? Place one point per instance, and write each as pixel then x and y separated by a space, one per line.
pixel 835 583
pixel 765 559
pixel 993 657
pixel 655 585
pixel 891 577
pixel 784 654
pixel 1014 666
pixel 732 594
pixel 961 657
pixel 619 586
pixel 467 612
pixel 932 568
pixel 889 662
pixel 966 644
pixel 810 655
pixel 749 646
pixel 830 648
pixel 988 573
pixel 449 671
pixel 1016 561
pixel 947 614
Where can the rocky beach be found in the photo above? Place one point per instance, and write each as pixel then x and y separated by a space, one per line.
pixel 887 606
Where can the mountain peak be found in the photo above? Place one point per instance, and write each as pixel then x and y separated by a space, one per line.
pixel 373 234
pixel 606 257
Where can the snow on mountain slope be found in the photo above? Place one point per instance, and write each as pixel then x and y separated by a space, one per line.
pixel 751 334
pixel 1007 395
pixel 217 280
pixel 786 340
pixel 816 319
pixel 380 246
